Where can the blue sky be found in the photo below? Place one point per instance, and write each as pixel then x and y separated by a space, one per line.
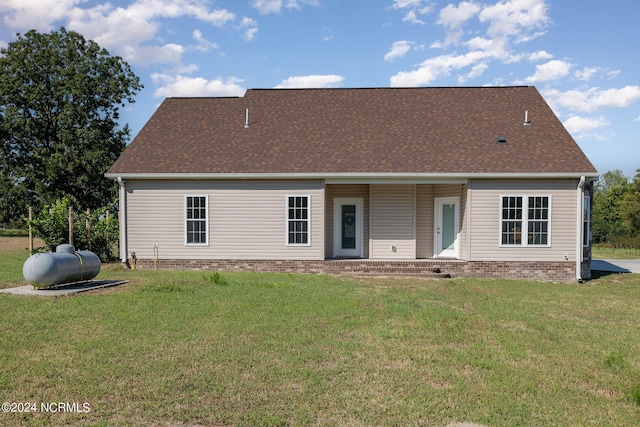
pixel 582 56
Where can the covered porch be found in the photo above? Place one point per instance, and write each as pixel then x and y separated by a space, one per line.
pixel 396 221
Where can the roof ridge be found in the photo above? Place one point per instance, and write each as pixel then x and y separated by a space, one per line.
pixel 387 88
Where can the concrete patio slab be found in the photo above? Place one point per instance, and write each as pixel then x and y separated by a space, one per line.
pixel 62 290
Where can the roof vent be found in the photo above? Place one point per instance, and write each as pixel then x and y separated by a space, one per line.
pixel 246 119
pixel 501 140
pixel 527 122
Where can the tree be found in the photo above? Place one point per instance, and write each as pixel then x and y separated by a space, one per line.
pixel 610 179
pixel 616 210
pixel 60 97
pixel 52 226
pixel 630 209
pixel 607 224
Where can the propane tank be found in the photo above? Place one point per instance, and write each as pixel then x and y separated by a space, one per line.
pixel 65 265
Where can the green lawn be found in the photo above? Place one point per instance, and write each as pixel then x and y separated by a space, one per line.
pixel 14 251
pixel 176 348
pixel 601 252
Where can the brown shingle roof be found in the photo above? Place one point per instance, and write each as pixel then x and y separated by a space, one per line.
pixel 378 130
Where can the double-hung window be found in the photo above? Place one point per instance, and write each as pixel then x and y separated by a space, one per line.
pixel 525 221
pixel 298 220
pixel 196 219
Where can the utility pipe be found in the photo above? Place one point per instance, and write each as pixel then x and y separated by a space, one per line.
pixel 122 214
pixel 580 225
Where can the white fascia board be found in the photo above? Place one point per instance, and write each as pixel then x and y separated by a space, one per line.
pixel 354 178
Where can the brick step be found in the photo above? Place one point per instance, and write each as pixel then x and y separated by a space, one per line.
pixel 389 269
pixel 424 274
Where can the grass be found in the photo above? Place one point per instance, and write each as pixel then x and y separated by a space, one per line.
pixel 603 252
pixel 11 232
pixel 200 348
pixel 14 251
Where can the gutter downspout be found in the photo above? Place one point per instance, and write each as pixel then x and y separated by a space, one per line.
pixel 579 226
pixel 122 212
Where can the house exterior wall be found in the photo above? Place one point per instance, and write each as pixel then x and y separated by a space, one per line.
pixel 424 220
pixel 392 221
pixel 333 191
pixel 425 209
pixel 484 220
pixel 247 219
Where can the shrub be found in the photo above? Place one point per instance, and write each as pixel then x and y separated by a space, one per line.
pixel 52 226
pixel 216 278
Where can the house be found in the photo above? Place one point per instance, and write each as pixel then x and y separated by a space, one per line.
pixel 471 181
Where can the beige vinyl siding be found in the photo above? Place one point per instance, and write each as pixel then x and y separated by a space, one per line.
pixel 424 220
pixel 333 191
pixel 247 219
pixel 485 226
pixel 392 221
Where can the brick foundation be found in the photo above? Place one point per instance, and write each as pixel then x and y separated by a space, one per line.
pixel 529 270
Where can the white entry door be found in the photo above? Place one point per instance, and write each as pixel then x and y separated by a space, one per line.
pixel 447 226
pixel 347 227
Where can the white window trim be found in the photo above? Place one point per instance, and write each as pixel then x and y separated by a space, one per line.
pixel 586 203
pixel 206 219
pixel 525 221
pixel 286 216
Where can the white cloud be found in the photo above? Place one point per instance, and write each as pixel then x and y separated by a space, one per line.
pixel 539 55
pixel 295 4
pixel 39 15
pixel 611 74
pixel 311 81
pixel 250 28
pixel 490 48
pixel 398 50
pixel 580 125
pixel 508 22
pixel 591 99
pixel 414 8
pixel 434 68
pixel 204 45
pixel 275 6
pixel 128 31
pixel 476 71
pixel 169 53
pixel 482 51
pixel 637 119
pixel 513 17
pixel 401 4
pixel 454 17
pixel 267 6
pixel 586 73
pixel 178 85
pixel 552 70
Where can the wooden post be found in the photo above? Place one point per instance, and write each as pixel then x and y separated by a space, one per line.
pixel 30 230
pixel 88 223
pixel 107 235
pixel 71 225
